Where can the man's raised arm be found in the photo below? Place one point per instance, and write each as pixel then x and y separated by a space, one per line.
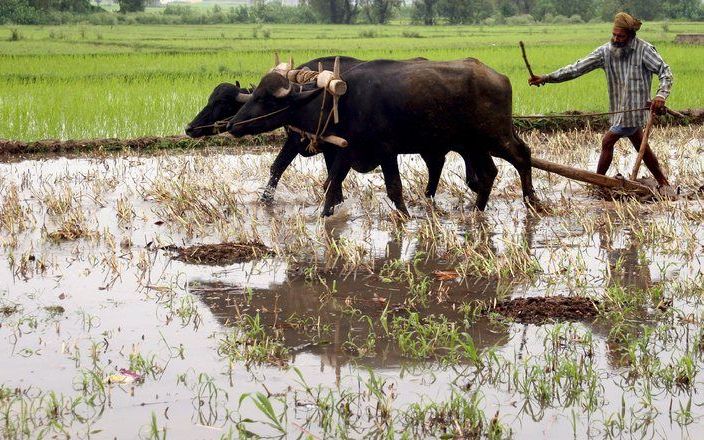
pixel 592 61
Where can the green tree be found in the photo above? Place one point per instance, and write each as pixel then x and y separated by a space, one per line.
pixel 457 11
pixel 689 9
pixel 641 9
pixel 507 8
pixel 131 5
pixel 484 9
pixel 425 12
pixel 335 11
pixel 542 8
pixel 62 5
pixel 379 11
pixel 584 8
pixel 18 12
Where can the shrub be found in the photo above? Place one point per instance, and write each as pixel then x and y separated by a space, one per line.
pixel 411 34
pixel 560 19
pixel 522 19
pixel 174 9
pixel 15 35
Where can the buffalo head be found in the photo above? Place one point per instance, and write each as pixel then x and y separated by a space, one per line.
pixel 271 106
pixel 225 100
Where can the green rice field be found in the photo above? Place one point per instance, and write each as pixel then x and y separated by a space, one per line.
pixel 149 293
pixel 74 82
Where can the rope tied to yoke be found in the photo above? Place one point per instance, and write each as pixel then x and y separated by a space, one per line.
pixel 301 78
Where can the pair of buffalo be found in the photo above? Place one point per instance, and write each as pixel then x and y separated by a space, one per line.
pixel 390 108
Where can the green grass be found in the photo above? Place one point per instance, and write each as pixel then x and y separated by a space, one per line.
pixel 88 81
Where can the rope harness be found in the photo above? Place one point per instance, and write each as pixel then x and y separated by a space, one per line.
pixel 220 126
pixel 315 137
pixel 302 77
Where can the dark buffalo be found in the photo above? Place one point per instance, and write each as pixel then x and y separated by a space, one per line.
pixel 226 100
pixel 402 107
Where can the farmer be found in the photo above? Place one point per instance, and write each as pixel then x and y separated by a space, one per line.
pixel 629 63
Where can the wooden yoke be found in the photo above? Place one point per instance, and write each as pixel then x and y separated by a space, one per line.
pixel 332 82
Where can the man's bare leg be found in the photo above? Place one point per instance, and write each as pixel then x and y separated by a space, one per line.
pixel 649 158
pixel 607 152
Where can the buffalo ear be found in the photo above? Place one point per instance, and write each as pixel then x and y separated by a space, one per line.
pixel 237 83
pixel 303 97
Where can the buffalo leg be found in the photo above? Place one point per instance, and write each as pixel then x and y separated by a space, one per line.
pixel 470 174
pixel 434 164
pixel 484 175
pixel 517 153
pixel 336 176
pixel 392 180
pixel 330 154
pixel 286 155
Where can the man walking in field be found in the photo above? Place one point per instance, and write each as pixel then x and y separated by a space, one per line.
pixel 629 63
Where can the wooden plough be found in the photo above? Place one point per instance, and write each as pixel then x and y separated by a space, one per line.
pixel 612 183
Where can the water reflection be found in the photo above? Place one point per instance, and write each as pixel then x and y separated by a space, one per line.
pixel 628 267
pixel 331 316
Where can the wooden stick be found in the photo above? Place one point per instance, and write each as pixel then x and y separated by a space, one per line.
pixel 589 177
pixel 525 58
pixel 674 113
pixel 330 139
pixel 643 145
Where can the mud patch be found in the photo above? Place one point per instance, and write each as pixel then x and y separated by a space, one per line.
pixel 221 254
pixel 576 120
pixel 10 147
pixel 8 310
pixel 539 310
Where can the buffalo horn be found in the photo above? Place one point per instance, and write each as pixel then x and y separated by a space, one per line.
pixel 336 68
pixel 276 59
pixel 282 92
pixel 243 97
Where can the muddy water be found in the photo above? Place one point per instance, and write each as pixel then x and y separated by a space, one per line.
pixel 98 302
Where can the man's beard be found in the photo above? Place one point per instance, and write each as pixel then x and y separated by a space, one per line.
pixel 618 50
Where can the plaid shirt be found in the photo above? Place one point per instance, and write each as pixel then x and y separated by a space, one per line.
pixel 629 78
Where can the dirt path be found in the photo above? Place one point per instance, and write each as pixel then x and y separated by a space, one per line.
pixel 547 125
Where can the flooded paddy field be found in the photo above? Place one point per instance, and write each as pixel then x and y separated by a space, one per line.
pixel 116 321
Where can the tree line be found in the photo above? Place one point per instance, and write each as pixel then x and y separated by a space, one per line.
pixel 522 11
pixel 427 12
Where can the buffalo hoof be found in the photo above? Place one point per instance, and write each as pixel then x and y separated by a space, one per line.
pixel 267 196
pixel 480 205
pixel 337 199
pixel 401 215
pixel 535 205
pixel 328 211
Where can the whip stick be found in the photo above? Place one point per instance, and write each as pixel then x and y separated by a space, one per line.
pixel 525 58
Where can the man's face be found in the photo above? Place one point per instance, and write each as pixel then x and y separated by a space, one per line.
pixel 619 37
